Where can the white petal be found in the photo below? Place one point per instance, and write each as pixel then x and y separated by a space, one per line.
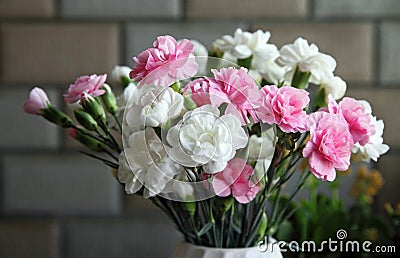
pixel 214 167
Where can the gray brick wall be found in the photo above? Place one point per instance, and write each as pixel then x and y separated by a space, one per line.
pixel 121 9
pixel 77 185
pixel 57 203
pixel 134 238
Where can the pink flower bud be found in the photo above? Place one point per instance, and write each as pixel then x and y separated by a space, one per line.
pixel 36 101
pixel 72 132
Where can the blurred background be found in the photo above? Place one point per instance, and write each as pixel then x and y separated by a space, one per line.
pixel 56 203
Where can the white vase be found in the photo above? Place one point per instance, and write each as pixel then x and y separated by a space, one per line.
pixel 185 250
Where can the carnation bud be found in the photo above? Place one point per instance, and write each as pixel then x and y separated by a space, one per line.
pixel 36 102
pixel 87 140
pixel 188 103
pixel 94 108
pixel 176 86
pixel 224 204
pixel 85 120
pixel 120 74
pixel 262 227
pixel 190 208
pixel 215 51
pixel 109 99
pixel 56 116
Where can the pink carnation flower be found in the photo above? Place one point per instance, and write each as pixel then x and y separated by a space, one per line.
pixel 198 90
pixel 235 179
pixel 36 101
pixel 231 86
pixel 357 117
pixel 285 107
pixel 330 144
pixel 167 62
pixel 85 85
pixel 237 88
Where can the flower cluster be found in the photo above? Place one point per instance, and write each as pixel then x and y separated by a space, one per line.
pixel 222 140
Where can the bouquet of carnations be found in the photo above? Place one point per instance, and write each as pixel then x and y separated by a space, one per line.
pixel 212 137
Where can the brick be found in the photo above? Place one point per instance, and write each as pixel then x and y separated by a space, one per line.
pixel 357 8
pixel 390 52
pixel 245 9
pixel 58 184
pixel 141 36
pixel 351 44
pixel 389 167
pixel 121 8
pixel 57 53
pixel 26 8
pixel 28 238
pixel 18 128
pixel 134 203
pixel 120 238
pixel 385 105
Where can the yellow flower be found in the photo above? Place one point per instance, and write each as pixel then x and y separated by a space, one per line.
pixel 367 184
pixel 371 234
pixel 371 190
pixel 397 209
pixel 376 179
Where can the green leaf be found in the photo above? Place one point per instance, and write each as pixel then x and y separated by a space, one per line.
pixel 236 228
pixel 285 231
pixel 205 229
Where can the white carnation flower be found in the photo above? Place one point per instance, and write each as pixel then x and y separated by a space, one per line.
pixel 122 100
pixel 181 188
pixel 334 86
pixel 308 59
pixel 262 147
pixel 154 107
pixel 145 163
pixel 129 91
pixel 204 138
pixel 272 72
pixel 375 147
pixel 126 176
pixel 245 44
pixel 120 72
pixel 199 49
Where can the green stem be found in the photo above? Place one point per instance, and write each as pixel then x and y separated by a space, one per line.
pixel 244 228
pixel 222 230
pixel 230 226
pixel 106 161
pixel 299 187
pixel 335 197
pixel 203 219
pixel 109 134
pixel 245 62
pixel 118 122
pixel 300 79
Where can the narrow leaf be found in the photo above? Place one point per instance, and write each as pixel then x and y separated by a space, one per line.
pixel 205 229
